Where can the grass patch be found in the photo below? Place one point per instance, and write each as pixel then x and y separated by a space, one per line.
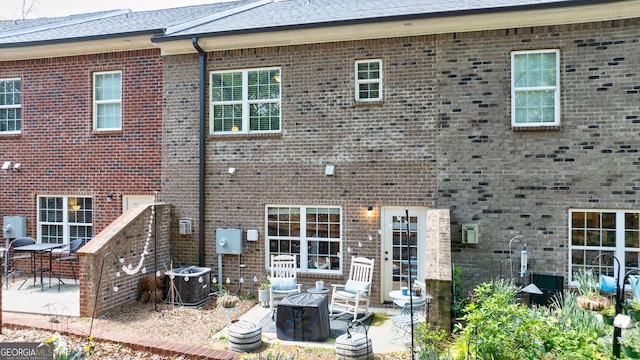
pixel 319 350
pixel 378 319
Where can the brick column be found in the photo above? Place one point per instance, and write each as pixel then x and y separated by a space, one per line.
pixel 438 267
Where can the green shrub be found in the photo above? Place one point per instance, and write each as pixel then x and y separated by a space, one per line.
pixel 498 327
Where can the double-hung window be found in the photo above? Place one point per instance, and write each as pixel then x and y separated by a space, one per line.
pixel 107 100
pixel 368 80
pixel 10 106
pixel 64 218
pixel 596 236
pixel 313 234
pixel 535 88
pixel 245 101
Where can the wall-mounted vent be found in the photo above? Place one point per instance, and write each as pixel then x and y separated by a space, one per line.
pixel 470 233
pixel 185 226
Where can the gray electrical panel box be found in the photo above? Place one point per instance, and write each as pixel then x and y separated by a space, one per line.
pixel 229 241
pixel 14 227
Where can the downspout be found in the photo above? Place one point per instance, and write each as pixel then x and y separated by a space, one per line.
pixel 202 77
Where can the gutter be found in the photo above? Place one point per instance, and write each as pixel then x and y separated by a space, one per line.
pixel 202 56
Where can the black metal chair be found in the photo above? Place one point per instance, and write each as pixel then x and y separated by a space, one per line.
pixel 71 256
pixel 11 257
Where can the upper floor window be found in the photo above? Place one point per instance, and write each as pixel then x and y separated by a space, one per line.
pixel 535 88
pixel 107 100
pixel 245 101
pixel 368 80
pixel 64 218
pixel 314 234
pixel 10 106
pixel 603 232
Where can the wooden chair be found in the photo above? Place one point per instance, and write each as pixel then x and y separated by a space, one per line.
pixel 353 296
pixel 284 280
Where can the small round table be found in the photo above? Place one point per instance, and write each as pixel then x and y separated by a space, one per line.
pixel 317 291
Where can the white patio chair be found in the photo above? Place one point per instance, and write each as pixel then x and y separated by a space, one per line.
pixel 284 280
pixel 353 296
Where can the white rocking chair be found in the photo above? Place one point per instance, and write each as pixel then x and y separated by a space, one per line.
pixel 353 296
pixel 284 280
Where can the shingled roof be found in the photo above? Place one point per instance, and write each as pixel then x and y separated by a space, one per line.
pixel 244 17
pixel 104 24
pixel 287 14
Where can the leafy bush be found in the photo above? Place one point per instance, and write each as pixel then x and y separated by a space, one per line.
pixel 498 327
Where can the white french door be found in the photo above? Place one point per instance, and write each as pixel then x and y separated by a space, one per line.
pixel 402 252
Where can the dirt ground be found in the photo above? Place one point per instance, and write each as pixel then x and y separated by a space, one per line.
pixel 173 323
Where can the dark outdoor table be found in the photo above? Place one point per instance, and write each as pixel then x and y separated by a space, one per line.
pixel 303 317
pixel 40 248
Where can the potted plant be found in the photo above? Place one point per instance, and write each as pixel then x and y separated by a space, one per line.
pixel 589 292
pixel 263 292
pixel 226 300
pixel 630 342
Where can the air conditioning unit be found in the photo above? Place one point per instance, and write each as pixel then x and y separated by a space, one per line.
pixel 185 226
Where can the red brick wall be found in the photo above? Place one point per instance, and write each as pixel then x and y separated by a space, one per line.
pixel 59 152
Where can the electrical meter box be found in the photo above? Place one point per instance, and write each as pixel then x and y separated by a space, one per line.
pixel 14 227
pixel 229 241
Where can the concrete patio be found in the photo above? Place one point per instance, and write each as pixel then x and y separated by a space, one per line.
pixel 33 300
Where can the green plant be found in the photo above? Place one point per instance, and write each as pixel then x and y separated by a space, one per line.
pixel 432 342
pixel 62 352
pixel 631 338
pixel 499 327
pixel 587 284
pixel 608 311
pixel 458 302
pixel 265 285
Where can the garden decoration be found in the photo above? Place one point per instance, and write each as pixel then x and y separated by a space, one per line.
pixel 589 292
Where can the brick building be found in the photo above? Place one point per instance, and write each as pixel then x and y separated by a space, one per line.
pixel 320 122
pixel 412 107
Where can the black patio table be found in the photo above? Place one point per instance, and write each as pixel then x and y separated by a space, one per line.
pixel 303 317
pixel 40 248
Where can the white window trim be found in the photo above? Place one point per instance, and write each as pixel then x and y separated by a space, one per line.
pixel 105 102
pixel 556 88
pixel 618 250
pixel 19 106
pixel 66 236
pixel 303 256
pixel 367 81
pixel 244 102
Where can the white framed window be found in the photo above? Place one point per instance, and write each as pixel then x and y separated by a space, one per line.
pixel 64 218
pixel 535 88
pixel 368 80
pixel 10 106
pixel 313 233
pixel 107 100
pixel 603 232
pixel 245 101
